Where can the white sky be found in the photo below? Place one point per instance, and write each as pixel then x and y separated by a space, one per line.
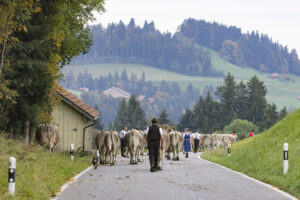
pixel 280 19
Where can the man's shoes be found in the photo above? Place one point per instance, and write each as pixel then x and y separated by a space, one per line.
pixel 152 169
pixel 158 168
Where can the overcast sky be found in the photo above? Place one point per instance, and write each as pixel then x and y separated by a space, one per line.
pixel 280 19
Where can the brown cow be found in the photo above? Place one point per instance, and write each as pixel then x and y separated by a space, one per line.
pixel 47 136
pixel 100 144
pixel 176 140
pixel 163 147
pixel 112 143
pixel 134 143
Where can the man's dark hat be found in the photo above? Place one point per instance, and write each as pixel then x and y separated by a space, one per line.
pixel 154 120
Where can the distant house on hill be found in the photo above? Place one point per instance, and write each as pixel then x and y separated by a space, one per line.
pixel 116 92
pixel 84 89
pixel 274 76
pixel 141 98
pixel 74 119
pixel 151 100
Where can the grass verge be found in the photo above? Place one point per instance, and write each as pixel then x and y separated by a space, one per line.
pixel 39 175
pixel 261 157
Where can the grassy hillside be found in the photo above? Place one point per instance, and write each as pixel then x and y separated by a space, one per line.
pixel 261 156
pixel 38 174
pixel 279 92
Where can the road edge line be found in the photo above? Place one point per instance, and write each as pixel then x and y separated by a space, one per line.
pixel 253 179
pixel 67 184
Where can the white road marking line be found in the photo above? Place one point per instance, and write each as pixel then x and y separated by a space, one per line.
pixel 66 185
pixel 253 179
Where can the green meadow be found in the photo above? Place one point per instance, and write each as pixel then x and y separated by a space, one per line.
pixel 282 93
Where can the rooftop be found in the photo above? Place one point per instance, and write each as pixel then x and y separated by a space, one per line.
pixel 78 104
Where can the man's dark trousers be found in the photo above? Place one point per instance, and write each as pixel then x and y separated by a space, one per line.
pixel 196 145
pixel 122 146
pixel 153 148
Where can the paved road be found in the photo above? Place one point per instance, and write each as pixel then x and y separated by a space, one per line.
pixel 190 178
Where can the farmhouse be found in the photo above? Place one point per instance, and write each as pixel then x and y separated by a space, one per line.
pixel 274 76
pixel 116 92
pixel 74 119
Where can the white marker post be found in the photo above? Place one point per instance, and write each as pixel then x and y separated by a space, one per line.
pixel 72 151
pixel 229 149
pixel 285 158
pixel 11 175
pixel 98 156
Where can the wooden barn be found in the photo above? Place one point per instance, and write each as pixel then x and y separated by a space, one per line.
pixel 74 119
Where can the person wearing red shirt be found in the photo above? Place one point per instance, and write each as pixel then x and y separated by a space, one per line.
pixel 251 134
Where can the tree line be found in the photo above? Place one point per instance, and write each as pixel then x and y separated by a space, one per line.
pixel 147 45
pixel 254 50
pixel 166 95
pixel 37 38
pixel 241 103
pixel 244 101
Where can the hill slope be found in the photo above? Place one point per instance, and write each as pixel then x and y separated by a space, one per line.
pixel 280 92
pixel 262 156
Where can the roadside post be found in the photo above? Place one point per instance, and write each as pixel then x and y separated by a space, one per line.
pixel 98 157
pixel 224 145
pixel 72 151
pixel 11 175
pixel 285 158
pixel 229 149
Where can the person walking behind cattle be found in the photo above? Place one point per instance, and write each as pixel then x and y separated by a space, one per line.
pixel 122 138
pixel 196 141
pixel 186 142
pixel 154 139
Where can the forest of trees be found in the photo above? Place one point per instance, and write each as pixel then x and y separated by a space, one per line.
pixel 253 50
pixel 147 45
pixel 182 52
pixel 167 95
pixel 37 38
pixel 207 111
pixel 245 101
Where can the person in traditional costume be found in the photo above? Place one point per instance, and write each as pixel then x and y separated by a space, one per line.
pixel 187 142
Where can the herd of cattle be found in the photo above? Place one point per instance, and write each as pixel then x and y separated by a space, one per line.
pixel 108 143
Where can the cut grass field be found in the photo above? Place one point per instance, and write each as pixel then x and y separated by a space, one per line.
pixel 261 156
pixel 279 92
pixel 39 175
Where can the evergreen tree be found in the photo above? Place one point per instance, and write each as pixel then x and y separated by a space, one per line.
pixel 136 115
pixel 257 100
pixel 198 114
pixel 186 120
pixel 283 112
pixel 98 125
pixel 241 101
pixel 122 117
pixel 270 117
pixel 163 117
pixel 227 94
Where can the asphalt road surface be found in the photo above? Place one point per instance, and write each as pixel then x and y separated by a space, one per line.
pixel 190 178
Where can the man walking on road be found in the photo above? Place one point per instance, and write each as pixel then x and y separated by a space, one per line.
pixel 154 139
pixel 196 141
pixel 122 138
